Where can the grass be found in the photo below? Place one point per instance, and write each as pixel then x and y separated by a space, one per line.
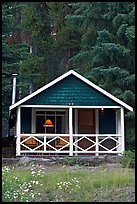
pixel 33 184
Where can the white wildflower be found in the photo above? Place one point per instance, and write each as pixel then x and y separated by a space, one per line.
pixel 26 190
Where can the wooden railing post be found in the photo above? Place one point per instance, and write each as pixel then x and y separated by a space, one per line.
pixel 44 144
pixel 97 147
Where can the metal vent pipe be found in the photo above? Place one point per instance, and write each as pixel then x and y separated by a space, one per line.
pixel 14 88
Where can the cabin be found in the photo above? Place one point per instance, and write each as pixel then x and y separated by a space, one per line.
pixel 69 116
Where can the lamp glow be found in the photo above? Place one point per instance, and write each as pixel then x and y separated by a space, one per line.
pixel 48 123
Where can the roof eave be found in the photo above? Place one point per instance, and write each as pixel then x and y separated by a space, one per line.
pixel 78 76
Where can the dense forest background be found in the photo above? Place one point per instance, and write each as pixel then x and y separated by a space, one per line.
pixel 42 40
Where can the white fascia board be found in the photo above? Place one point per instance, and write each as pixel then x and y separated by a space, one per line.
pixel 102 91
pixel 40 90
pixel 67 106
pixel 78 76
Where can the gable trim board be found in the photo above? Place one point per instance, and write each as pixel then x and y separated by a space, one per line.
pixel 79 77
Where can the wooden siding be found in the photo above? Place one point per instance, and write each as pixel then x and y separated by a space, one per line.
pixel 107 121
pixel 71 90
pixel 26 120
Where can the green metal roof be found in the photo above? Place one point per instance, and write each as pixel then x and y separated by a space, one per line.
pixel 71 90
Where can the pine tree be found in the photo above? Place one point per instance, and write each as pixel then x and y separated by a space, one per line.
pixel 107 55
pixel 13 51
pixel 52 39
pixel 66 35
pixel 36 23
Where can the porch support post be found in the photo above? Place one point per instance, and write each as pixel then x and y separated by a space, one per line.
pixel 76 130
pixel 70 132
pixel 122 130
pixel 18 132
pixel 118 128
pixel 97 129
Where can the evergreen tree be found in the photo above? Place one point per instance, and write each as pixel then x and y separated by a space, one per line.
pixel 53 41
pixel 36 23
pixel 107 55
pixel 66 35
pixel 13 51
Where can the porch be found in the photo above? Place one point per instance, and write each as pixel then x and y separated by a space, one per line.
pixel 76 130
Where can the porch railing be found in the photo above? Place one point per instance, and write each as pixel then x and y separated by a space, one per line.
pixel 81 143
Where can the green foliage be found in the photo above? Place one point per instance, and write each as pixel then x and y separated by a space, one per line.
pixel 69 161
pixel 35 22
pixel 13 51
pixel 107 49
pixel 66 35
pixel 110 49
pixel 130 138
pixel 128 159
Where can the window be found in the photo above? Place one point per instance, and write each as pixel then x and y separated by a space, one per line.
pixel 58 119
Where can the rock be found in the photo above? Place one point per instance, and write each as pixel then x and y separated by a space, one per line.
pixel 52 159
pixel 112 158
pixel 24 160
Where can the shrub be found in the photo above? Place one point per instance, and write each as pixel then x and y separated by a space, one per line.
pixel 69 161
pixel 128 159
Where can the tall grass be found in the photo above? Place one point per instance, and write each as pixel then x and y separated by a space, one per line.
pixel 33 185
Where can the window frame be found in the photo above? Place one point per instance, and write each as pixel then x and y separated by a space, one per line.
pixel 34 114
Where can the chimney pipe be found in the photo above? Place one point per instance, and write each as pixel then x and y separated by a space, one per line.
pixel 14 88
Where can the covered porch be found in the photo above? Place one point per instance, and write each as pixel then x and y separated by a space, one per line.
pixel 75 130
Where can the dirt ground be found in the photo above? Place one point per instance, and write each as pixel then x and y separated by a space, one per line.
pixel 51 166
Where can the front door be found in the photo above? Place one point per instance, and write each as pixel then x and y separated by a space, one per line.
pixel 86 125
pixel 86 121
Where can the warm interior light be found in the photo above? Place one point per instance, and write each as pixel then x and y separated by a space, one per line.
pixel 48 123
pixel 102 109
